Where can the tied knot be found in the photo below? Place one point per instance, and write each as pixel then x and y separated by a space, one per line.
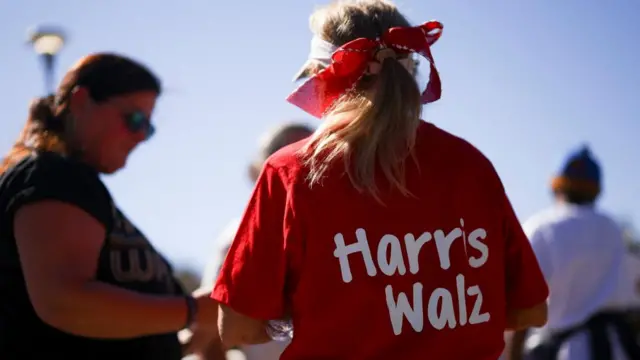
pixel 384 54
pixel 374 67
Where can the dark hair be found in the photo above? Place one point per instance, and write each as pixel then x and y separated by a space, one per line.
pixel 279 138
pixel 275 140
pixel 576 197
pixel 103 75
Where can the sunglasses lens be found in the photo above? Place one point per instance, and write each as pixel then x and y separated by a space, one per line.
pixel 150 131
pixel 137 122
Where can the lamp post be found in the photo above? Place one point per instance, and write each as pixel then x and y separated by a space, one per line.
pixel 47 43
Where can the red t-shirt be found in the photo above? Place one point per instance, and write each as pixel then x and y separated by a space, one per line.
pixel 428 276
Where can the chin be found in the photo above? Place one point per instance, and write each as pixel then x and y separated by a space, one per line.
pixel 108 169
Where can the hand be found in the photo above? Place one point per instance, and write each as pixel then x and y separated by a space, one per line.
pixel 207 315
pixel 199 347
pixel 204 344
pixel 204 330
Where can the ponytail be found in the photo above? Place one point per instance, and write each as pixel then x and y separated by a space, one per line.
pixel 42 132
pixel 383 116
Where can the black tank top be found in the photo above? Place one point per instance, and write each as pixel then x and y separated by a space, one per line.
pixel 127 260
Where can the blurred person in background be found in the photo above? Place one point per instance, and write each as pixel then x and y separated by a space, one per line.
pixel 584 259
pixel 633 267
pixel 272 141
pixel 381 236
pixel 78 279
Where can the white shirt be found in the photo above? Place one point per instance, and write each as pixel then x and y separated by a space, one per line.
pixel 633 267
pixel 268 351
pixel 584 260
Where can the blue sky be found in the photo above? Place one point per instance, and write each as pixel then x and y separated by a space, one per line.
pixel 525 81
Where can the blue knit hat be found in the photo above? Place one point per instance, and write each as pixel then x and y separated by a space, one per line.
pixel 580 174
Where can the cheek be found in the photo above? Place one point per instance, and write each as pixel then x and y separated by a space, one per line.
pixel 122 136
pixel 113 152
pixel 117 142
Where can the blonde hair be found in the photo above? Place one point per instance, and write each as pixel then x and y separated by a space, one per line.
pixel 372 127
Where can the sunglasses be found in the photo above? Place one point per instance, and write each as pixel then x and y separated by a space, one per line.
pixel 138 122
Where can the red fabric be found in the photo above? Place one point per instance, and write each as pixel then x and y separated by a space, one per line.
pixel 286 258
pixel 349 62
pixel 263 246
pixel 526 285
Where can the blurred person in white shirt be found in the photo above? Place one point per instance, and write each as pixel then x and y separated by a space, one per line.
pixel 585 261
pixel 272 141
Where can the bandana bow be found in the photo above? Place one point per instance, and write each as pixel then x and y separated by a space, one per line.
pixel 350 62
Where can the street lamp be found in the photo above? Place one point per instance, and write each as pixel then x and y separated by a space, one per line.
pixel 47 42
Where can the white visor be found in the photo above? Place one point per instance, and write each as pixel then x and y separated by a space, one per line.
pixel 320 54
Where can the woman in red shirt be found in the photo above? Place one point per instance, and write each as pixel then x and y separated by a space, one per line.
pixel 381 236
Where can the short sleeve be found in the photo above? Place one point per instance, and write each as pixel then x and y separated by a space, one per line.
pixel 253 275
pixel 526 285
pixel 51 177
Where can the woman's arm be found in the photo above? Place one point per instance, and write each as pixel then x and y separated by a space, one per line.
pixel 521 319
pixel 237 329
pixel 59 245
pixel 514 347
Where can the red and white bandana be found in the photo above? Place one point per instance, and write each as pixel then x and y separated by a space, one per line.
pixel 350 62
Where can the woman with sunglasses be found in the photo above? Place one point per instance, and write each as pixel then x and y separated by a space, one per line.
pixel 381 236
pixel 78 279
